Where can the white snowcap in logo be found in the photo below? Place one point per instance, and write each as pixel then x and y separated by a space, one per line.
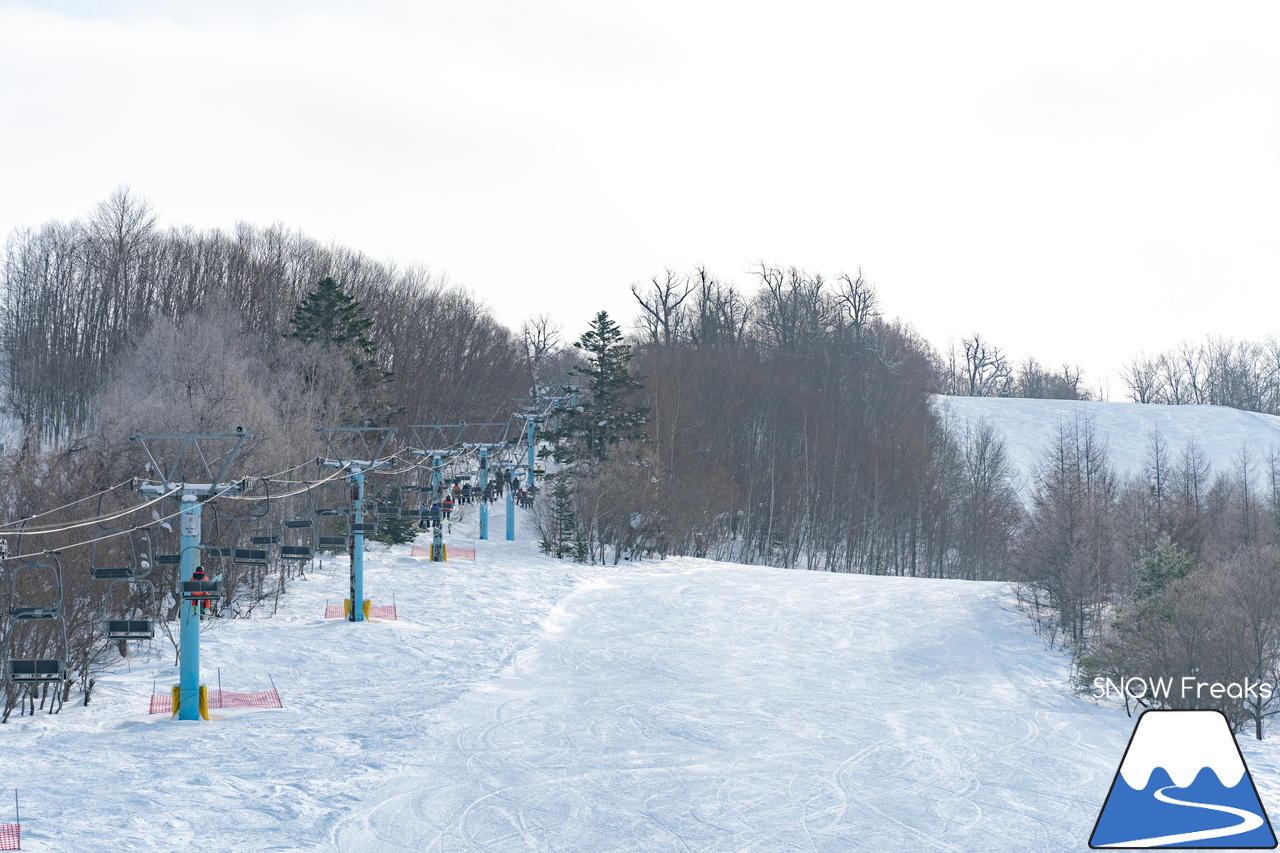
pixel 1183 743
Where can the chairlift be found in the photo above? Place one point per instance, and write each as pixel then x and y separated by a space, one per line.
pixel 261 530
pixel 210 589
pixel 330 498
pixel 118 624
pixel 24 668
pixel 48 575
pixel 115 555
pixel 28 621
pixel 332 532
pixel 297 538
pixel 242 556
pixel 205 590
pixel 250 556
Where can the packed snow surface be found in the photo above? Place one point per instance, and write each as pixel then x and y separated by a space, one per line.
pixel 1029 427
pixel 524 703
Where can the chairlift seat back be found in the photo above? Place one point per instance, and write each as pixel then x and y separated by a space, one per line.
pixel 295 552
pixel 202 590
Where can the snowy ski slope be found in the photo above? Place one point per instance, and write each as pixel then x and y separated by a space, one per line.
pixel 1028 428
pixel 522 703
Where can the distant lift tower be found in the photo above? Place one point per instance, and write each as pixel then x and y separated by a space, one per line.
pixel 356 450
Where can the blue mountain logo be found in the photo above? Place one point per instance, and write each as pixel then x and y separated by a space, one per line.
pixel 1183 783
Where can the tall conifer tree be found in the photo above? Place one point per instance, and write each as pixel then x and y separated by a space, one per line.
pixel 602 417
pixel 331 318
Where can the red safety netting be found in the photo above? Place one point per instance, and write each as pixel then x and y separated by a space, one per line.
pixel 449 553
pixel 10 836
pixel 376 611
pixel 223 699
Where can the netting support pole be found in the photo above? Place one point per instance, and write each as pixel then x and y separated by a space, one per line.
pixel 189 639
pixel 357 547
pixel 484 491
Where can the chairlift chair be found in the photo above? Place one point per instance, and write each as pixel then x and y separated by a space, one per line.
pixel 27 620
pixel 261 530
pixel 242 556
pixel 118 625
pixel 330 535
pixel 51 572
pixel 206 590
pixel 249 556
pixel 331 543
pixel 330 499
pixel 297 538
pixel 115 555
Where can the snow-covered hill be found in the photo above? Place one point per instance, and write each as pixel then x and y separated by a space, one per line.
pixel 523 703
pixel 1029 427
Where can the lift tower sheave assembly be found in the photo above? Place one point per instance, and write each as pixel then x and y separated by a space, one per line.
pixel 192 468
pixel 356 450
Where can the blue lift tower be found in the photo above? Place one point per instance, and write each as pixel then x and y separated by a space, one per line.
pixel 184 465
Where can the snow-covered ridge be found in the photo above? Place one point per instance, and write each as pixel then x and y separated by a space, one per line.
pixel 1028 428
pixel 1183 743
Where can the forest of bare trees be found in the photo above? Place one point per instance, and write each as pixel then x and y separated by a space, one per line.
pixel 1216 371
pixel 787 423
pixel 791 426
pixel 80 299
pixel 1171 574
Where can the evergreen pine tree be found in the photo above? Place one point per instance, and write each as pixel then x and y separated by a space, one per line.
pixel 1161 567
pixel 563 527
pixel 602 418
pixel 333 319
pixel 581 547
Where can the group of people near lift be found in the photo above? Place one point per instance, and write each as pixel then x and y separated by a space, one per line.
pixel 463 492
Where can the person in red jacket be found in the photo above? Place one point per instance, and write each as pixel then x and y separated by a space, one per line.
pixel 447 506
pixel 200 602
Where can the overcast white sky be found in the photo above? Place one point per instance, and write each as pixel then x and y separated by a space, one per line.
pixel 1076 181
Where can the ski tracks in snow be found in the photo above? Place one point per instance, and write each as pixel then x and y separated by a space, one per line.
pixel 732 708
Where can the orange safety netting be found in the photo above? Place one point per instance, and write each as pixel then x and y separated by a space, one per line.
pixel 10 836
pixel 223 699
pixel 376 611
